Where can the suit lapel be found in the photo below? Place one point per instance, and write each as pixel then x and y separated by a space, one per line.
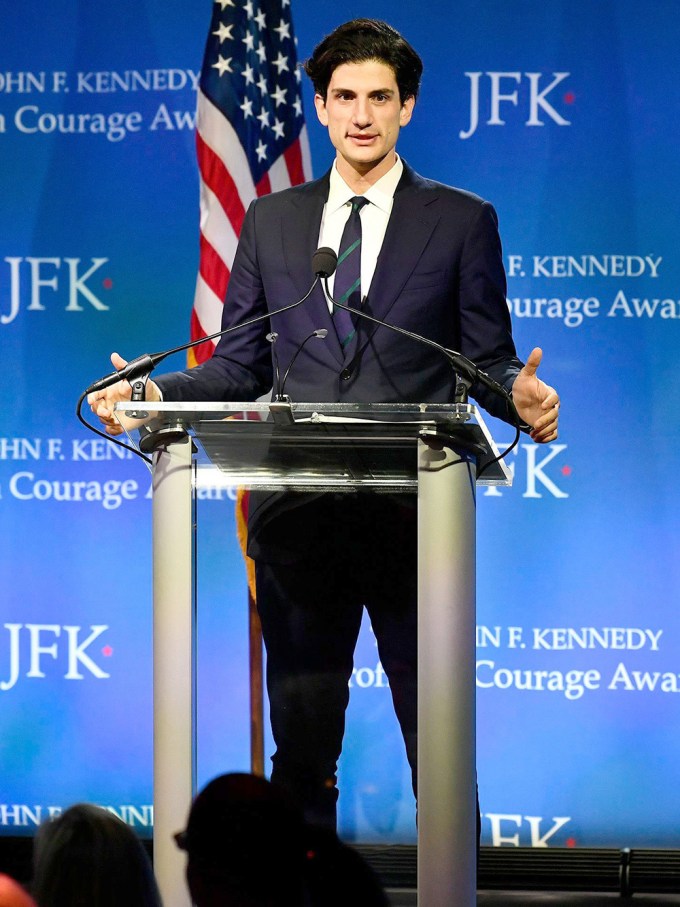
pixel 414 217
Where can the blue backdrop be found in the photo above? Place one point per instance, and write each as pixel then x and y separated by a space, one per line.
pixel 563 115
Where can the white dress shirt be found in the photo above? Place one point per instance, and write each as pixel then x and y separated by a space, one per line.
pixel 374 219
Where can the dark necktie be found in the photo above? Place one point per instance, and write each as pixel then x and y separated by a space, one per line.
pixel 347 287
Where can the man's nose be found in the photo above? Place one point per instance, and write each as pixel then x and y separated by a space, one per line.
pixel 362 113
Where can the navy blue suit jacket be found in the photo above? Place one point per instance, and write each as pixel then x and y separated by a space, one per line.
pixel 439 273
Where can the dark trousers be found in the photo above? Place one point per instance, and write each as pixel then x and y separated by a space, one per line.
pixel 361 552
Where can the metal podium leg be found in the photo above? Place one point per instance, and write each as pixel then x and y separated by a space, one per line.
pixel 173 666
pixel 446 678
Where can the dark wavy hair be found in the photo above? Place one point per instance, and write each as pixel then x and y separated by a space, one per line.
pixel 359 41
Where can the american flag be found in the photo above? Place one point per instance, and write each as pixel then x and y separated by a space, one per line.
pixel 251 138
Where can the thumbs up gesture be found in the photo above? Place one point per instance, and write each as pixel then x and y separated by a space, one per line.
pixel 537 403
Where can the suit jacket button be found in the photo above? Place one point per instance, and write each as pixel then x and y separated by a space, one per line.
pixel 345 374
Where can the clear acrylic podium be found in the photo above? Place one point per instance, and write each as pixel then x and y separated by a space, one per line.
pixel 435 451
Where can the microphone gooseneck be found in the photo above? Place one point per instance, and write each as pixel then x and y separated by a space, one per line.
pixel 324 262
pixel 463 366
pixel 321 333
pixel 138 369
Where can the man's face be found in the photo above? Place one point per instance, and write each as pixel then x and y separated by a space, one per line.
pixel 363 114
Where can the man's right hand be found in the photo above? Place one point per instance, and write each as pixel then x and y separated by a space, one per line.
pixel 102 402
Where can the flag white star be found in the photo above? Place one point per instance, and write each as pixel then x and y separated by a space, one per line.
pixel 281 63
pixel 283 30
pixel 262 52
pixel 263 117
pixel 260 19
pixel 297 107
pixel 223 32
pixel 285 3
pixel 262 85
pixel 225 3
pixel 278 128
pixel 247 108
pixel 248 75
pixel 223 65
pixel 261 151
pixel 279 96
pixel 249 41
pixel 248 7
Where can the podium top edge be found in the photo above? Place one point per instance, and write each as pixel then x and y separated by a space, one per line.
pixel 265 407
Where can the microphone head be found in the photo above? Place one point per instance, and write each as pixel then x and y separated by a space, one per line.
pixel 324 262
pixel 321 333
pixel 272 336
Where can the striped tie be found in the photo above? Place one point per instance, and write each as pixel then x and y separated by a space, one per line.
pixel 347 288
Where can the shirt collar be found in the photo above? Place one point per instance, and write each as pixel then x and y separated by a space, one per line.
pixel 380 194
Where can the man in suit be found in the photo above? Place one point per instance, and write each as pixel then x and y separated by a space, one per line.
pixel 427 259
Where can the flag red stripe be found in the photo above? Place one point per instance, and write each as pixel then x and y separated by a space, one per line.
pixel 216 176
pixel 293 158
pixel 264 187
pixel 213 269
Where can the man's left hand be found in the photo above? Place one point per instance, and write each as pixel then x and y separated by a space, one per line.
pixel 537 403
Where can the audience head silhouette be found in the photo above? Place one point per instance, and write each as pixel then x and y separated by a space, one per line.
pixel 87 857
pixel 245 845
pixel 248 846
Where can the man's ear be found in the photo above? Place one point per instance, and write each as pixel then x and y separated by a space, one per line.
pixel 406 111
pixel 321 111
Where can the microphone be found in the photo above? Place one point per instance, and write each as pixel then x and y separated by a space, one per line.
pixel 324 262
pixel 321 333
